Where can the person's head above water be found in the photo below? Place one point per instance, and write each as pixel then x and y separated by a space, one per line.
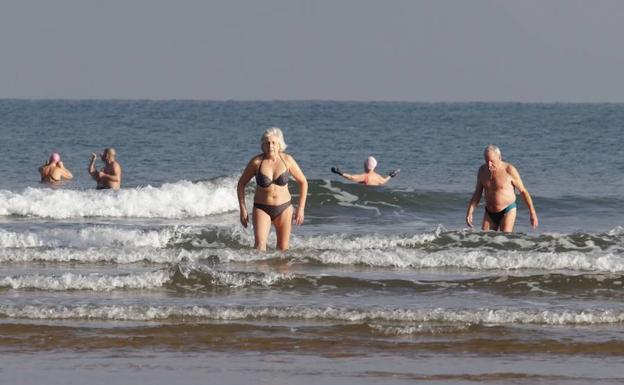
pixel 108 154
pixel 55 157
pixel 492 155
pixel 490 148
pixel 370 164
pixel 273 140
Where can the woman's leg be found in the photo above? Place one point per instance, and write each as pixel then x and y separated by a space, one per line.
pixel 283 225
pixel 262 226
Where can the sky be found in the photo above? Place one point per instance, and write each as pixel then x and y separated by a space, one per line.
pixel 359 50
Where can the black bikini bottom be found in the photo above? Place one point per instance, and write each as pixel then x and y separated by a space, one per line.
pixel 272 211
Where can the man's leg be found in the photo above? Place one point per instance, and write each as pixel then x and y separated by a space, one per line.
pixel 488 223
pixel 508 222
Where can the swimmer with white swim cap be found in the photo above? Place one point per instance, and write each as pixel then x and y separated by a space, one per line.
pixel 54 171
pixel 369 177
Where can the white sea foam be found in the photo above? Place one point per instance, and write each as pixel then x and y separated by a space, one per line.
pixel 233 244
pixel 181 199
pixel 340 195
pixel 346 199
pixel 479 260
pixel 420 328
pixel 102 236
pixel 92 236
pixel 361 242
pixel 109 255
pixel 95 282
pixel 619 230
pixel 404 258
pixel 461 316
pixel 545 242
pixel 598 261
pixel 235 279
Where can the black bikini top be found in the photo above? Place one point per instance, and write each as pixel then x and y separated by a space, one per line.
pixel 264 181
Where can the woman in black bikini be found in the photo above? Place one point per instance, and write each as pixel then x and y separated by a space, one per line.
pixel 272 201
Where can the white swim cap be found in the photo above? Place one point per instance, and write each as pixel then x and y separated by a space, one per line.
pixel 370 163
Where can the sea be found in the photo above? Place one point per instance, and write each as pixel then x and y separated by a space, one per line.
pixel 158 283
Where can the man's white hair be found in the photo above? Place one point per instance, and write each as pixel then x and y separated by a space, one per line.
pixel 494 149
pixel 276 132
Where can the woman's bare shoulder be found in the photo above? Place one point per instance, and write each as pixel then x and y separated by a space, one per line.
pixel 288 158
pixel 256 159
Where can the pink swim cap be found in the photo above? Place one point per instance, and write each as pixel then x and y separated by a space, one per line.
pixel 370 163
pixel 55 157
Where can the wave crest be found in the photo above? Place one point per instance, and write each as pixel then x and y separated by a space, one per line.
pixel 234 313
pixel 181 199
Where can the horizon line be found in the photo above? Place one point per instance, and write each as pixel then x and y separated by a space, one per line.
pixel 302 100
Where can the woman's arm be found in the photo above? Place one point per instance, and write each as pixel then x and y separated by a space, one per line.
pixel 296 172
pixel 248 173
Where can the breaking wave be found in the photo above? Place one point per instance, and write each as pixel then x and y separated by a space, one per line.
pixel 181 199
pixel 233 313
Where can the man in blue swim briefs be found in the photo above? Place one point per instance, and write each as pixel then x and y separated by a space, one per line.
pixel 499 180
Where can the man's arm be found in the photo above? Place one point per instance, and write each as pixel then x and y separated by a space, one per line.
pixel 474 201
pixel 517 183
pixel 91 169
pixel 248 173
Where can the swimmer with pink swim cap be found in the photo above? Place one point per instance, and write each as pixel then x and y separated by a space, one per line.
pixel 54 171
pixel 55 157
pixel 369 177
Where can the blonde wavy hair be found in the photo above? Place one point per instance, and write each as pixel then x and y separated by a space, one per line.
pixel 276 132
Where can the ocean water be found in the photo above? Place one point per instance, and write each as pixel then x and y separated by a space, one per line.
pixel 159 282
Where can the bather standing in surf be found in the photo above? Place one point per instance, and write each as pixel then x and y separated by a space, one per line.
pixel 272 200
pixel 499 180
pixel 54 171
pixel 109 177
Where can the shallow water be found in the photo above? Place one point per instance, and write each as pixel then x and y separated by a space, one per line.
pixel 381 285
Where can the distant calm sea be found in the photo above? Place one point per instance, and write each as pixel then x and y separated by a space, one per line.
pixel 158 282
